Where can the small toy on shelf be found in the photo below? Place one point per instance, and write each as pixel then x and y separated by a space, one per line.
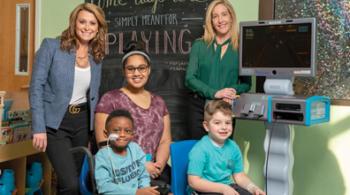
pixel 2 96
pixel 34 179
pixel 7 182
pixel 6 135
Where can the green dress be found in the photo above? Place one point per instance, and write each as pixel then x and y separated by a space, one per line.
pixel 206 74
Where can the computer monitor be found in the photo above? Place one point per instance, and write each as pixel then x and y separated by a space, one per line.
pixel 278 48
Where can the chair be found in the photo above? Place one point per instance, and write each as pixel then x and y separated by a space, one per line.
pixel 86 178
pixel 179 162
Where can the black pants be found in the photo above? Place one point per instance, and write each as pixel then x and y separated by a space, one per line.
pixel 239 189
pixel 72 132
pixel 196 117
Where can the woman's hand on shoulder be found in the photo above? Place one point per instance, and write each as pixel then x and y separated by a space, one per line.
pixel 148 191
pixel 228 93
pixel 40 141
pixel 230 101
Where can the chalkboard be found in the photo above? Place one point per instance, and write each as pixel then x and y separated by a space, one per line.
pixel 168 27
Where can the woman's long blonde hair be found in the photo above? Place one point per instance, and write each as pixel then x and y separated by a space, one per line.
pixel 98 43
pixel 209 32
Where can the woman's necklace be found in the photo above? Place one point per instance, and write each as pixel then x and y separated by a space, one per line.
pixel 82 57
pixel 82 62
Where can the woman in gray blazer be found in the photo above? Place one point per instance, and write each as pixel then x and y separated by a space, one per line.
pixel 64 91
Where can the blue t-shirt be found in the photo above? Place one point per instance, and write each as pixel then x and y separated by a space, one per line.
pixel 121 175
pixel 214 163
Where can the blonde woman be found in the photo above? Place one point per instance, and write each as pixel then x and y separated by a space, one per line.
pixel 212 72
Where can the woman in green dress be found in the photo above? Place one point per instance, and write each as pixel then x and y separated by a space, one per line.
pixel 213 69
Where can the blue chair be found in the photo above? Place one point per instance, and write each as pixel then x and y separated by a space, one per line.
pixel 179 162
pixel 86 178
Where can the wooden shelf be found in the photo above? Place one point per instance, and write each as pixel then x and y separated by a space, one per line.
pixel 16 150
pixel 16 156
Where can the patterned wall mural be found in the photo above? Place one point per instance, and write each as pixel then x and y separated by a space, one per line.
pixel 333 45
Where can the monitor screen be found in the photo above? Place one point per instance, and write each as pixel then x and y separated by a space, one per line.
pixel 278 48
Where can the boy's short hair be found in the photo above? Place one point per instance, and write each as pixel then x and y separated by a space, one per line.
pixel 119 113
pixel 214 106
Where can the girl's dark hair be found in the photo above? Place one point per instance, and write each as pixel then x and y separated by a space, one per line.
pixel 119 113
pixel 135 48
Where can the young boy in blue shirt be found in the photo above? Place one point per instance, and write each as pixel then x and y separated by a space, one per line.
pixel 215 161
pixel 120 168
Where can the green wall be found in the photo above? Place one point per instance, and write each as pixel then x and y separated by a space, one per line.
pixel 55 16
pixel 321 152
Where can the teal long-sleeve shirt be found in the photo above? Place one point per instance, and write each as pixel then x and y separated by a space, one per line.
pixel 121 175
pixel 205 76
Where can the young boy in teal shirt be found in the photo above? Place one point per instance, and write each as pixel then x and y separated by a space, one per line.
pixel 120 168
pixel 215 162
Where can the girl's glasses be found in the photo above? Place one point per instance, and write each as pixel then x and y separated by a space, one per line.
pixel 130 69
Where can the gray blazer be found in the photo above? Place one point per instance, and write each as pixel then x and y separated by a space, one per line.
pixel 51 85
